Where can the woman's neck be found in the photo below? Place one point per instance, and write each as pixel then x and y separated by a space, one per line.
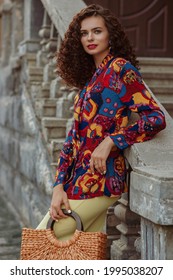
pixel 99 58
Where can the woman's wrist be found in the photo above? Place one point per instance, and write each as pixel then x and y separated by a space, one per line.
pixel 110 142
pixel 58 187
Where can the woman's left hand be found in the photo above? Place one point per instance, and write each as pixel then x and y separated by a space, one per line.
pixel 100 155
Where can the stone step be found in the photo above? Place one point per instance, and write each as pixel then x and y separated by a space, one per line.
pixel 158 82
pixel 55 147
pixel 31 59
pixel 35 74
pixel 54 166
pixel 45 107
pixel 155 64
pixel 45 92
pixel 158 76
pixel 56 86
pixel 169 107
pixel 38 90
pixel 163 93
pixel 63 108
pixel 162 89
pixel 53 128
pixel 157 72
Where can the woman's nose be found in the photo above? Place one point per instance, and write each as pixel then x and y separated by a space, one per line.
pixel 90 36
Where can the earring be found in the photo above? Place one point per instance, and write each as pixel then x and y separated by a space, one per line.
pixel 110 48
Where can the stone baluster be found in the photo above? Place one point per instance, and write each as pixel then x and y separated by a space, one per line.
pixel 64 102
pixel 6 36
pixel 129 228
pixel 0 31
pixel 16 32
pixel 124 248
pixel 110 228
pixel 70 98
pixel 57 84
pixel 44 33
pixel 51 48
pixel 32 25
pixel 44 59
pixel 52 43
pixel 12 34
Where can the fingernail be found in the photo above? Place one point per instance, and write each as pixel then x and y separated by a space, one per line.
pixel 69 211
pixel 56 220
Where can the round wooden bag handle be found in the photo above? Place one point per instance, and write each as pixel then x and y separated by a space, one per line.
pixel 73 214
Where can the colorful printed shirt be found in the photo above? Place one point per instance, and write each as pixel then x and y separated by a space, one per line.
pixel 103 109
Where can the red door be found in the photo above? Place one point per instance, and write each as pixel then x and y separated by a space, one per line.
pixel 148 24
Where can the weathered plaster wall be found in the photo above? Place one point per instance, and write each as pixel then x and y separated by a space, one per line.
pixel 25 171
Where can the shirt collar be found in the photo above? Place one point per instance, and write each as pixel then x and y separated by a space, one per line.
pixel 104 62
pixel 99 70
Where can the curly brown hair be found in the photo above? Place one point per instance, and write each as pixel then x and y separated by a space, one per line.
pixel 74 65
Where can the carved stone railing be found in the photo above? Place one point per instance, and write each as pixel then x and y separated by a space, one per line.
pixel 151 192
pixel 141 224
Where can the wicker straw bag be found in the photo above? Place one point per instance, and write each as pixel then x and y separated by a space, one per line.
pixel 42 244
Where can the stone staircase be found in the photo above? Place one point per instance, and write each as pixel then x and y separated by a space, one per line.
pixel 52 102
pixel 158 75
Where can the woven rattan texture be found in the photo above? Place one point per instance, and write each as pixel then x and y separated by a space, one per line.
pixel 43 245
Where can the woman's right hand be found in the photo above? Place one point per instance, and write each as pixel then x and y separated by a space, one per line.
pixel 59 198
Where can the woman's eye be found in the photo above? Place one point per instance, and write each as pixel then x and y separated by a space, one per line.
pixel 97 31
pixel 83 34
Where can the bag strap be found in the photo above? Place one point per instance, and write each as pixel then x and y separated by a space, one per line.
pixel 73 214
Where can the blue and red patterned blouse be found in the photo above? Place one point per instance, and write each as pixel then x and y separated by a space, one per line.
pixel 103 109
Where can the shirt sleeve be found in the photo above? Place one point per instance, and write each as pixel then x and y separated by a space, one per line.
pixel 65 159
pixel 136 98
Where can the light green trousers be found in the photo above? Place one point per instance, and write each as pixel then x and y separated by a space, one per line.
pixel 91 211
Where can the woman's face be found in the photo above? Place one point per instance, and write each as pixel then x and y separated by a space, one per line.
pixel 95 37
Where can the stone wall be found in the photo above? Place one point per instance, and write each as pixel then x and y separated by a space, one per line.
pixel 25 171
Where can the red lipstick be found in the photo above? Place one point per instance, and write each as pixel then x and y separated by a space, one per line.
pixel 91 46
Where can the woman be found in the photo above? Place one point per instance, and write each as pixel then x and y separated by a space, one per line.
pixel 96 57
